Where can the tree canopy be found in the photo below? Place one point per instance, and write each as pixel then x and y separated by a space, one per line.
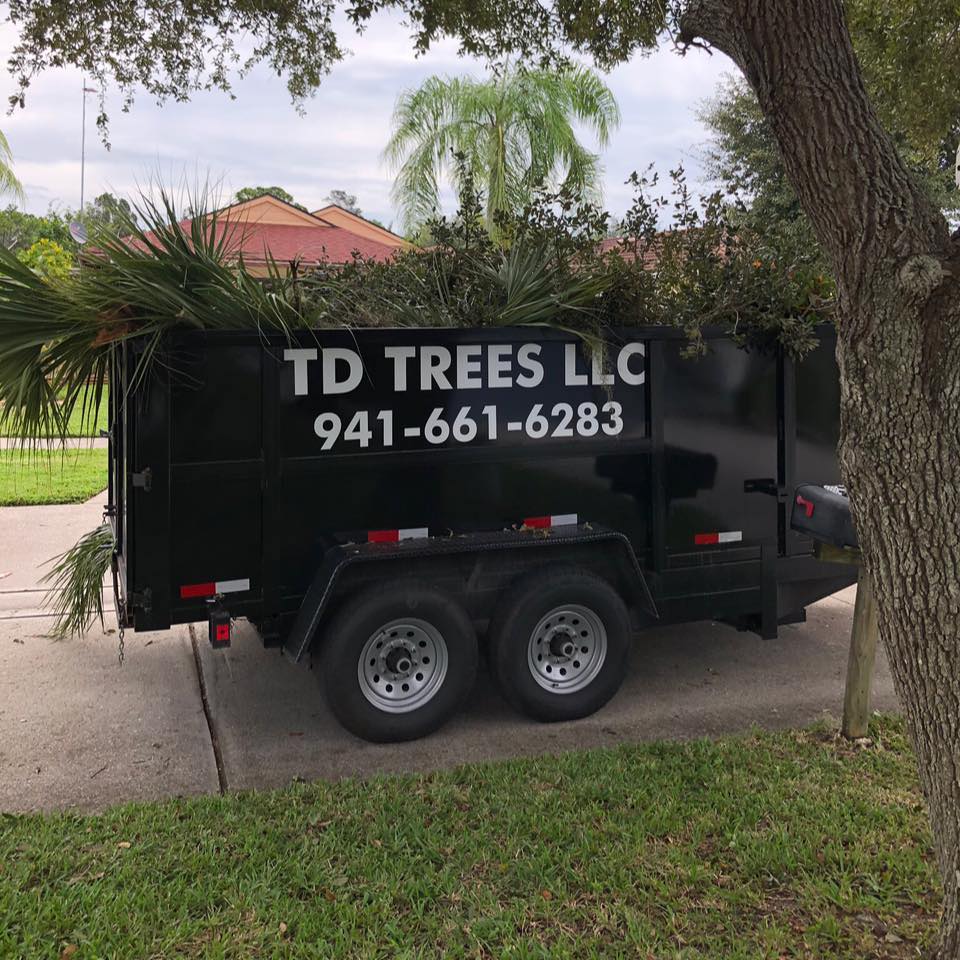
pixel 348 201
pixel 251 193
pixel 513 133
pixel 20 230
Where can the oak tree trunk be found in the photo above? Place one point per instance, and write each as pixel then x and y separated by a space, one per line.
pixel 898 276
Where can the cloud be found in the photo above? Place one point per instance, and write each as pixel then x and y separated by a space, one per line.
pixel 259 138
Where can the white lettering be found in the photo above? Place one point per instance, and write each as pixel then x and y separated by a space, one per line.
pixel 434 362
pixel 570 376
pixel 599 378
pixel 527 359
pixel 468 367
pixel 331 357
pixel 399 356
pixel 498 365
pixel 300 358
pixel 623 364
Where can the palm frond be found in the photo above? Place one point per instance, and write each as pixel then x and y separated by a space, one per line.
pixel 9 183
pixel 75 596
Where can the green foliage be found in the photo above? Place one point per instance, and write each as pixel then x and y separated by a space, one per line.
pixel 546 266
pixel 106 214
pixel 19 230
pixel 9 184
pixel 29 477
pixel 47 258
pixel 76 582
pixel 251 193
pixel 343 199
pixel 171 50
pixel 742 157
pixel 513 133
pixel 910 55
pixel 910 51
pixel 55 334
pixel 789 844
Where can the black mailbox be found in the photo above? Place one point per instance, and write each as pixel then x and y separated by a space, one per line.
pixel 824 514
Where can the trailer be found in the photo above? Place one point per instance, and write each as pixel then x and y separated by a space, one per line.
pixel 385 504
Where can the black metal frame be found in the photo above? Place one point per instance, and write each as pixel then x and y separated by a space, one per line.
pixel 757 585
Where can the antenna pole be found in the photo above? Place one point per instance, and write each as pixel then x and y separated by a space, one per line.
pixel 83 139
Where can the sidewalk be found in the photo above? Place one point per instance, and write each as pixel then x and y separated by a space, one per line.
pixel 77 730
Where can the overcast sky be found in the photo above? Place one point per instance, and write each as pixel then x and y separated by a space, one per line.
pixel 259 139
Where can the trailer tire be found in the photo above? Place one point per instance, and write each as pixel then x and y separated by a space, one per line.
pixel 559 643
pixel 387 639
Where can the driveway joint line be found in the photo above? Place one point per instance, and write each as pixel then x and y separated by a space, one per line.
pixel 208 713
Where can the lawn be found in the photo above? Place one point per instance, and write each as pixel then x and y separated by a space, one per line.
pixel 85 426
pixel 58 476
pixel 775 845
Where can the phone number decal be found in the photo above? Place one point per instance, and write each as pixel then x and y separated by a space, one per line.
pixel 560 421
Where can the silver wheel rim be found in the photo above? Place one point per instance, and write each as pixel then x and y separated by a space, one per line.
pixel 402 665
pixel 567 649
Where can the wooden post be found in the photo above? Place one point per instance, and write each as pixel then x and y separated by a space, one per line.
pixel 863 651
pixel 863 645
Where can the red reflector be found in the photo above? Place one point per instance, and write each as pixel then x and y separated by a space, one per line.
pixel 537 522
pixel 197 590
pixel 383 536
pixel 806 504
pixel 703 538
pixel 223 632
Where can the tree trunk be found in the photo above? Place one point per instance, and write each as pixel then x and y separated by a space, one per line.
pixel 898 277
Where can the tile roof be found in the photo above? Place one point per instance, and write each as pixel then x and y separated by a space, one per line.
pixel 311 245
pixel 625 247
pixel 308 244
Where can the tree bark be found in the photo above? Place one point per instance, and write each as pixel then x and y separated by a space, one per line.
pixel 898 279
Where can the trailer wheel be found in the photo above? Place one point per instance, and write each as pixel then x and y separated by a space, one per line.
pixel 559 643
pixel 398 661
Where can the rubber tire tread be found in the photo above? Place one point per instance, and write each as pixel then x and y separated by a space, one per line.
pixel 356 621
pixel 518 612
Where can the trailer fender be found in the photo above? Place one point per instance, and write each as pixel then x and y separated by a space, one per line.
pixel 337 560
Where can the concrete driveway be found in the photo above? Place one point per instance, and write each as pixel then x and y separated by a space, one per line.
pixel 77 730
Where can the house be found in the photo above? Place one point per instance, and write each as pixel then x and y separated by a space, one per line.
pixel 341 217
pixel 267 228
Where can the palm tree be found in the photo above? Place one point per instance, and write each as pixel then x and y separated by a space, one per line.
pixel 8 180
pixel 514 132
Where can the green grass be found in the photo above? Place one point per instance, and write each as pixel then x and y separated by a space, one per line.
pixel 786 845
pixel 80 426
pixel 58 476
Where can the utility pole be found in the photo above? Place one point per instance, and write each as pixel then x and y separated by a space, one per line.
pixel 83 138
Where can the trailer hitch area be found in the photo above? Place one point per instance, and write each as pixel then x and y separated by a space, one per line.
pixel 218 624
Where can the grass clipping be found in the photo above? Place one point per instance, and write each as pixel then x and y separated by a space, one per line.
pixel 76 583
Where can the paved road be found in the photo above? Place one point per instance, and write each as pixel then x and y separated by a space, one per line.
pixel 78 730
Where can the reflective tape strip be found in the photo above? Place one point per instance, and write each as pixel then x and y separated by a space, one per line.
pixel 394 536
pixel 191 590
pixel 556 520
pixel 212 588
pixel 413 533
pixel 728 536
pixel 383 536
pixel 233 586
pixel 536 522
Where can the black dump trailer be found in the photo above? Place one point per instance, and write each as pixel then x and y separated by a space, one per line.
pixel 374 501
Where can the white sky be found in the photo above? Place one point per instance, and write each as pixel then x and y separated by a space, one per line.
pixel 259 139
